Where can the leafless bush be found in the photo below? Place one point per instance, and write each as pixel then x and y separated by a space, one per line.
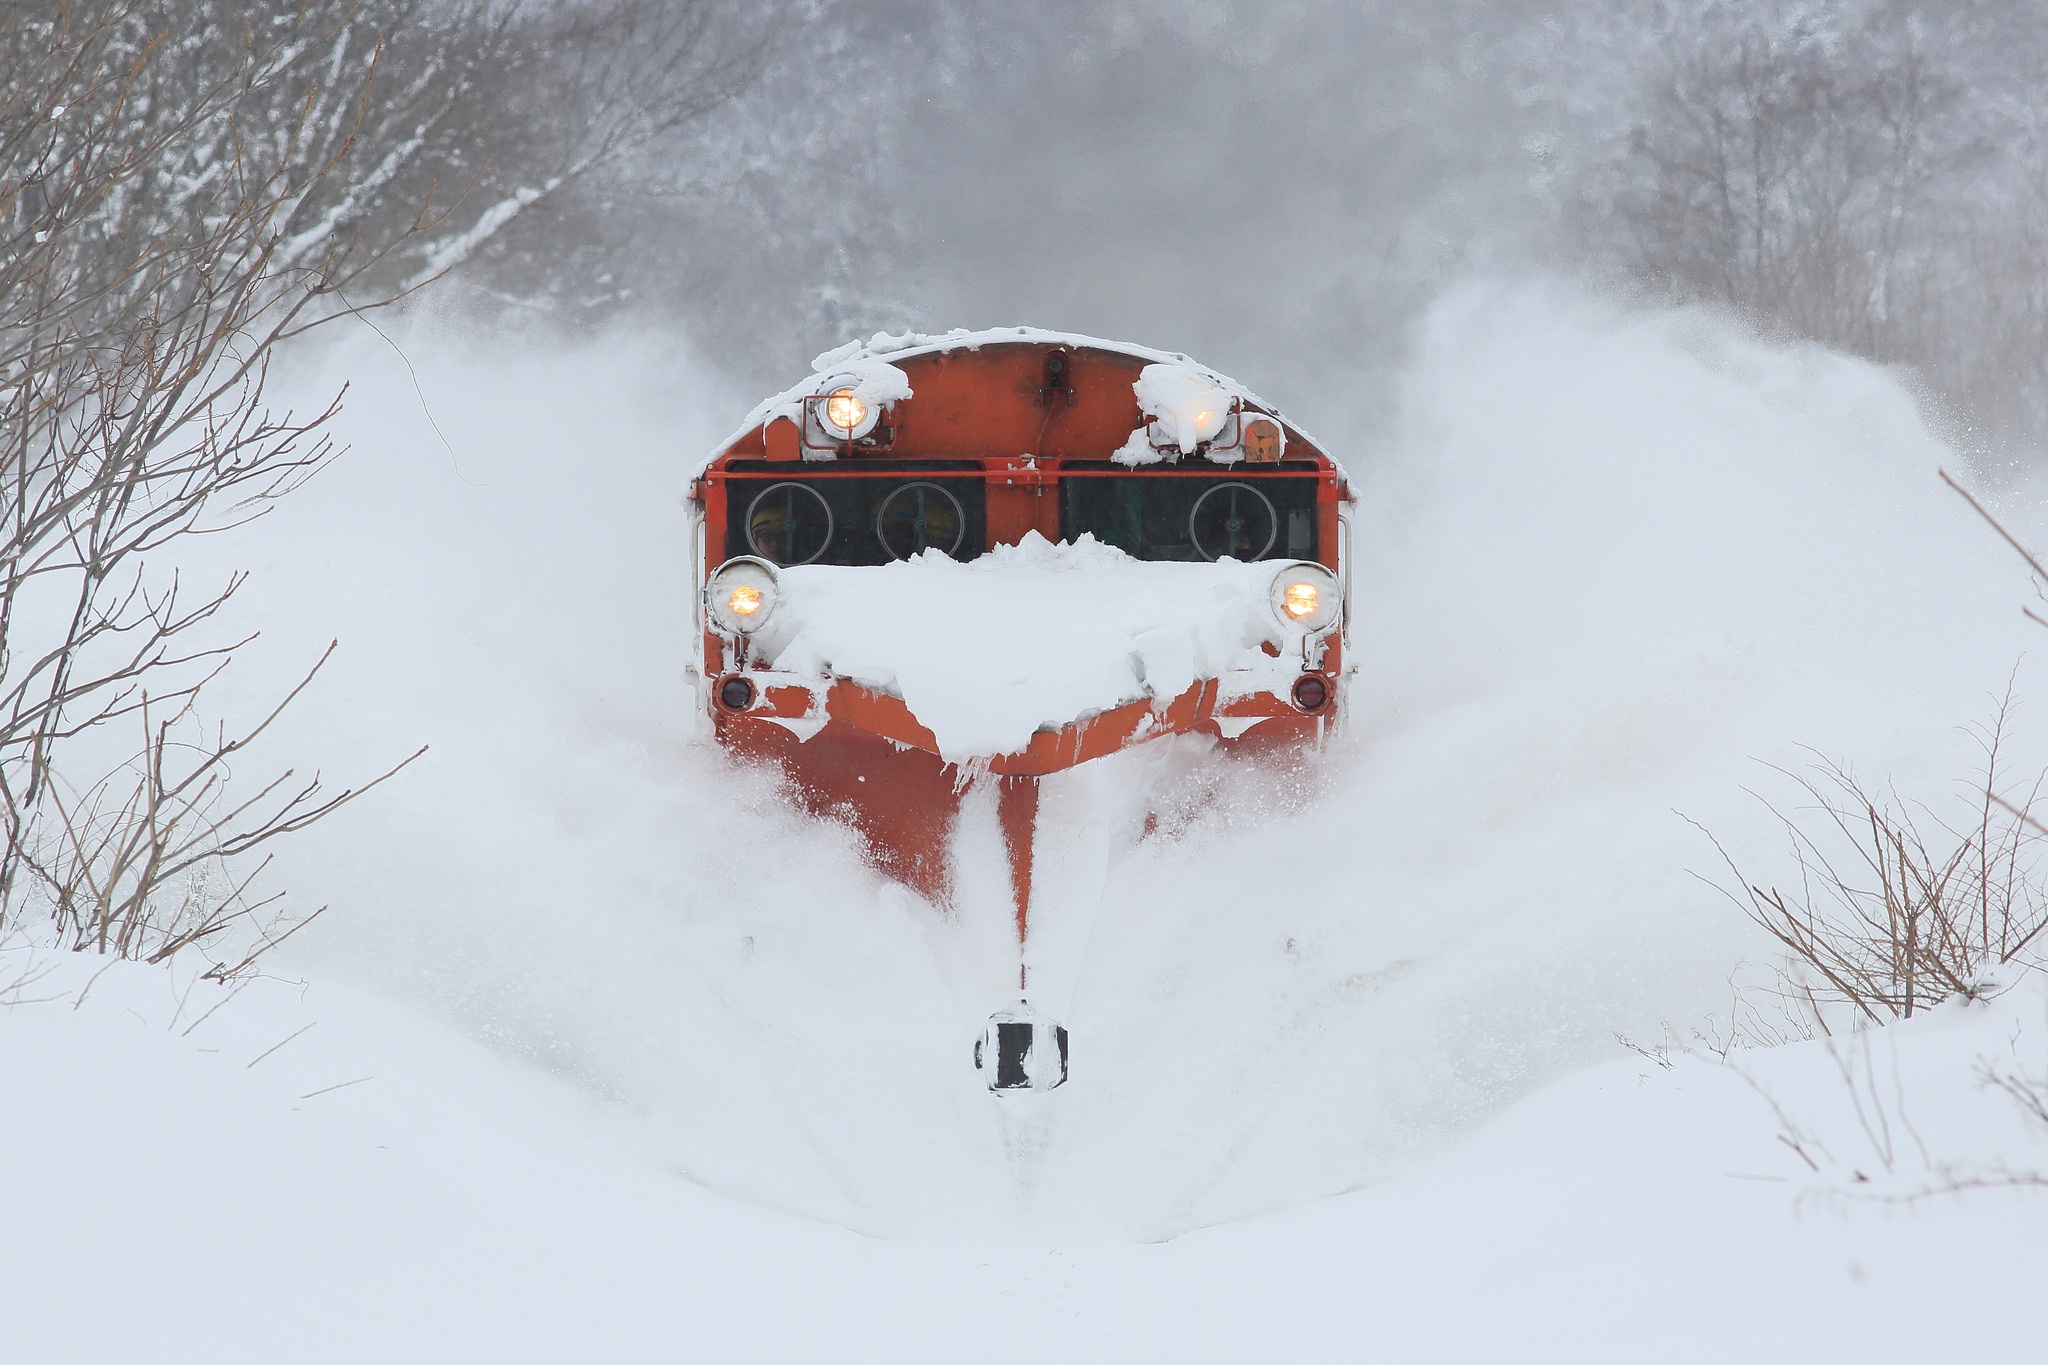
pixel 153 858
pixel 1880 1156
pixel 2028 1092
pixel 185 185
pixel 1896 909
pixel 161 210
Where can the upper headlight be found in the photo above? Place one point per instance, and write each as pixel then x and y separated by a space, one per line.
pixel 845 415
pixel 741 595
pixel 1307 597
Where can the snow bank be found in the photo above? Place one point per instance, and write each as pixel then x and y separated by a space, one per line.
pixel 1606 563
pixel 1033 635
pixel 304 1173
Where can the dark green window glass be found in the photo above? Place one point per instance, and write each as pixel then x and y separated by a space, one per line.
pixel 1194 518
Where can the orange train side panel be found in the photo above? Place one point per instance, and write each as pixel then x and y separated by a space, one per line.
pixel 901 801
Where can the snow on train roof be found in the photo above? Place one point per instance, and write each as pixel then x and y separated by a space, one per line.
pixel 870 365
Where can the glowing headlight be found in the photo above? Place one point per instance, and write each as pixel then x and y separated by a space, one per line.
pixel 741 595
pixel 1307 597
pixel 845 415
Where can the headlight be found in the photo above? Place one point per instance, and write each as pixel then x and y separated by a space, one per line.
pixel 741 595
pixel 1188 406
pixel 845 415
pixel 1307 597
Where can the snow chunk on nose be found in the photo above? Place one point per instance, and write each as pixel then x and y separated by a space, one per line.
pixel 874 381
pixel 1189 406
pixel 1166 661
pixel 1030 636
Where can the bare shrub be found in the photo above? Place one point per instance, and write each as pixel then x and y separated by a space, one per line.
pixel 161 204
pixel 152 859
pixel 185 186
pixel 1896 909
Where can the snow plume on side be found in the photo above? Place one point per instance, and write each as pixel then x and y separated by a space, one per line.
pixel 567 874
pixel 1605 564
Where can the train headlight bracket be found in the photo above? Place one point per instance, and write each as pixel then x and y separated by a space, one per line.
pixel 844 415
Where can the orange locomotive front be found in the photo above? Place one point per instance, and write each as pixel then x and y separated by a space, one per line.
pixel 956 445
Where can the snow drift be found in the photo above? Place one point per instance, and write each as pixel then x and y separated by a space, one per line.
pixel 351 1182
pixel 1606 562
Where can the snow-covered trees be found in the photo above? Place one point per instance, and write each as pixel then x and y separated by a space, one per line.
pixel 1291 185
pixel 185 184
pixel 161 194
pixel 1865 173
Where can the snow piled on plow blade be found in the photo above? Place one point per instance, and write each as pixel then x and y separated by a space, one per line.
pixel 1034 635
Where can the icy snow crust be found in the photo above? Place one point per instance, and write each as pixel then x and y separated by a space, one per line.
pixel 870 366
pixel 1026 637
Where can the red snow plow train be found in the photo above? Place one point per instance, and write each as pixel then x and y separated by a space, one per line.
pixel 911 448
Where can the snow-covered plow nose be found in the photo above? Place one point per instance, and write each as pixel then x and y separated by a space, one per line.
pixel 1022 1050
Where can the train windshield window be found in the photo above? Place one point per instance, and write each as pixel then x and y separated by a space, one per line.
pixel 1182 517
pixel 914 517
pixel 789 523
pixel 855 519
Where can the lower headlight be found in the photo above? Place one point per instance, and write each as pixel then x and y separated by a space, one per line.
pixel 740 595
pixel 1307 597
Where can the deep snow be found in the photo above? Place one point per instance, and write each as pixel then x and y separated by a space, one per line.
pixel 1607 562
pixel 310 1174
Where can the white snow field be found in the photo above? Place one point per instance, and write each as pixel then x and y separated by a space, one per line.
pixel 658 1068
pixel 312 1175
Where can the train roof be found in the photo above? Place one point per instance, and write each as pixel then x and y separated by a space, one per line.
pixel 871 366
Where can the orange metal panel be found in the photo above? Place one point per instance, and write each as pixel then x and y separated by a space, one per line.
pixel 901 801
pixel 878 713
pixel 791 700
pixel 994 402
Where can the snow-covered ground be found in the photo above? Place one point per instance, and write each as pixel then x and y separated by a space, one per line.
pixel 659 1066
pixel 310 1174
